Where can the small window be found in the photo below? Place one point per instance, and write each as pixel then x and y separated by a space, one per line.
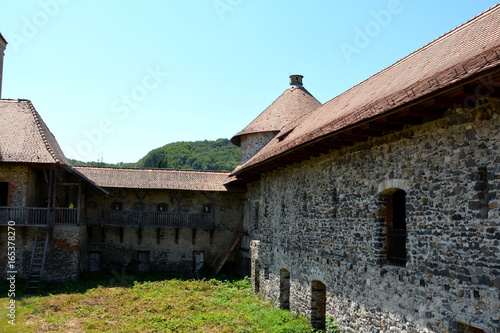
pixel 142 261
pixel 284 135
pixel 256 215
pixel 396 228
pixel 4 193
pixel 116 205
pixel 94 261
pixel 266 272
pixel 207 208
pixel 162 207
pixel 198 260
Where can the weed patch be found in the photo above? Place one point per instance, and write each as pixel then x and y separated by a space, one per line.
pixel 97 303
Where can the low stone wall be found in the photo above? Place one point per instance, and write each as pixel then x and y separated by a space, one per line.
pixel 322 220
pixel 63 257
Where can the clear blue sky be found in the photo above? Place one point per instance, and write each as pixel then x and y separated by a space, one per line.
pixel 115 79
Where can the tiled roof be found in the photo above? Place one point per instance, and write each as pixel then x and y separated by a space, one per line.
pixel 2 40
pixel 24 135
pixel 166 179
pixel 467 50
pixel 295 102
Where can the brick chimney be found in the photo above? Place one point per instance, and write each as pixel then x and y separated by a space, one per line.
pixel 3 45
pixel 296 80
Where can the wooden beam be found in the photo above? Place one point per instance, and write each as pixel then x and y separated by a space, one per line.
pixel 425 113
pixel 385 127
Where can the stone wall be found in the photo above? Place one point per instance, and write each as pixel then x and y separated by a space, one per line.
pixel 20 180
pixel 169 249
pixel 252 143
pixel 324 220
pixel 63 258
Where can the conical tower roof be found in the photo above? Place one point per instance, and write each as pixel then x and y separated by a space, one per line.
pixel 293 103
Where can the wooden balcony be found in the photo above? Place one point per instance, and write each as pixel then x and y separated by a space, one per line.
pixel 37 216
pixel 157 219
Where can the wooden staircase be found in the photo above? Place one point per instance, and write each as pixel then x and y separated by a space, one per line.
pixel 226 254
pixel 37 259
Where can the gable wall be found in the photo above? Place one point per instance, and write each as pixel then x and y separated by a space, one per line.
pixel 320 219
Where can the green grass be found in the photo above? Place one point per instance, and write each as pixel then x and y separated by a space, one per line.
pixel 148 303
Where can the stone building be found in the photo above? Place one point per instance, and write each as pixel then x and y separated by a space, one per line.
pixel 162 220
pixel 41 197
pixel 379 208
pixel 69 220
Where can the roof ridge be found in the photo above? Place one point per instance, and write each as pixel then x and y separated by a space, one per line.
pixel 421 49
pixel 151 169
pixel 38 123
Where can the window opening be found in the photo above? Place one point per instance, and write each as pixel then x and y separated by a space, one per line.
pixel 198 260
pixel 4 193
pixel 162 207
pixel 396 228
pixel 142 261
pixel 318 305
pixel 116 205
pixel 207 208
pixel 94 261
pixel 284 289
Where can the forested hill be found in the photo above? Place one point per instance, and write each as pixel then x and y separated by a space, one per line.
pixel 192 155
pixel 197 155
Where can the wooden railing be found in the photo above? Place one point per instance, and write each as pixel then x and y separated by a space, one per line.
pixel 38 216
pixel 157 219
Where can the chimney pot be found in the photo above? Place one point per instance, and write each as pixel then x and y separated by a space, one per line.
pixel 296 80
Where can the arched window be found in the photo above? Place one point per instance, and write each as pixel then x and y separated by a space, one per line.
pixel 318 305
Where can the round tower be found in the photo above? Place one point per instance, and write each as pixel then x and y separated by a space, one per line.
pixel 293 103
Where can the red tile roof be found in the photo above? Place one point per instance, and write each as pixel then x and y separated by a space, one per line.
pixel 467 50
pixel 165 179
pixel 24 135
pixel 295 102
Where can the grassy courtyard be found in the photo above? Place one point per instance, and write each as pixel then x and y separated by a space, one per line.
pixel 149 303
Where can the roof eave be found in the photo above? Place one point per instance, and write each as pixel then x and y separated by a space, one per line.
pixel 324 144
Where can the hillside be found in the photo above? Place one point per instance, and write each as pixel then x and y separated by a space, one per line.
pixel 198 155
pixel 192 155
